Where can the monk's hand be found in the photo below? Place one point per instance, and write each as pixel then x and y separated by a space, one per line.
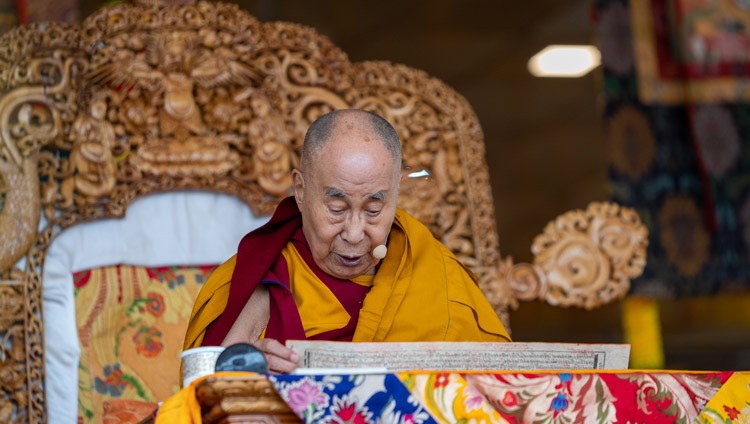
pixel 280 359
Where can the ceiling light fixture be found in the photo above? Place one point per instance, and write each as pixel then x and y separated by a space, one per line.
pixel 569 61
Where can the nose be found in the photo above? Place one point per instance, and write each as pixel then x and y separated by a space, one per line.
pixel 354 230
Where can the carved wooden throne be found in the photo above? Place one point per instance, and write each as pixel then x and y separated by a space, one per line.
pixel 139 100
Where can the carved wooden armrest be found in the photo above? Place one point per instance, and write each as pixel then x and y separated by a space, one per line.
pixel 583 258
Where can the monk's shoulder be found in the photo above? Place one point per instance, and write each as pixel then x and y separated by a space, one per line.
pixel 223 273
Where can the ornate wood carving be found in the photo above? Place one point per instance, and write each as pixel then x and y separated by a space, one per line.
pixel 583 258
pixel 247 399
pixel 148 98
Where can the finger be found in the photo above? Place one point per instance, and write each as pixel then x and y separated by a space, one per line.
pixel 275 348
pixel 279 365
pixel 278 357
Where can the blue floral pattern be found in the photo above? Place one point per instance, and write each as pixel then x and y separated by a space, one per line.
pixel 360 399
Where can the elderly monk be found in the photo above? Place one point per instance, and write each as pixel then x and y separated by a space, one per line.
pixel 340 261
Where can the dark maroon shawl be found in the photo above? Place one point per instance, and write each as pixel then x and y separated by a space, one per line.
pixel 259 261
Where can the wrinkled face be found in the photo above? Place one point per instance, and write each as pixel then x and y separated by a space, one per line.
pixel 348 201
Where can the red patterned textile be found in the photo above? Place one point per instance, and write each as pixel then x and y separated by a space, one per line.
pixel 653 397
pixel 516 397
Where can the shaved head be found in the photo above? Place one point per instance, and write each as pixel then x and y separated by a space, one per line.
pixel 347 190
pixel 325 126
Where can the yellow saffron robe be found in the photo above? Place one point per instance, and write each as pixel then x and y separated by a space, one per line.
pixel 421 292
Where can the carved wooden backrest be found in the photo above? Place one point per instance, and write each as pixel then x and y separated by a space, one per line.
pixel 144 99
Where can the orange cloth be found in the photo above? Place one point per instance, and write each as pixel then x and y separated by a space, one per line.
pixel 183 406
pixel 421 292
pixel 319 308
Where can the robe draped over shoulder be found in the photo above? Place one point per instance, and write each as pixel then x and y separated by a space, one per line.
pixel 421 292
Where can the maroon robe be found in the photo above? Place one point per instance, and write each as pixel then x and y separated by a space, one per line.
pixel 259 261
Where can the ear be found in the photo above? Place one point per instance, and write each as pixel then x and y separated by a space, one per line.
pixel 298 183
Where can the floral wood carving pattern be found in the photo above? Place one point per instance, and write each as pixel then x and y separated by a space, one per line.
pixel 141 99
pixel 252 398
pixel 583 258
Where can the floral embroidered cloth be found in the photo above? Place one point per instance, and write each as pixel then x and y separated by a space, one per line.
pixel 510 397
pixel 131 321
pixel 350 399
pixel 731 404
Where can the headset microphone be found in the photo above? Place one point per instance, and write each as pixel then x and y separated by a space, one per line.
pixel 379 251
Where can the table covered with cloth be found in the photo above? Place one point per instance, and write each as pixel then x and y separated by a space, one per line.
pixel 517 397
